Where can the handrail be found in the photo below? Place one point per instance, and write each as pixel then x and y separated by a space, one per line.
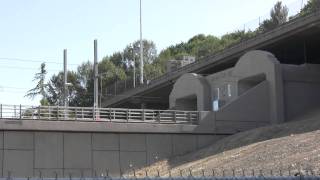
pixel 120 115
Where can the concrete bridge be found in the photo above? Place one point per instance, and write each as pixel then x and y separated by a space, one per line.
pixel 295 42
pixel 82 141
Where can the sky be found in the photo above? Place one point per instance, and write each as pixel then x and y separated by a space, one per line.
pixel 36 31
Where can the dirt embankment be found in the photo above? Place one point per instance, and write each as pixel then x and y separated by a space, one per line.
pixel 279 149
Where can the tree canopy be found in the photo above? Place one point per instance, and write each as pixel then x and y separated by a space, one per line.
pixel 115 67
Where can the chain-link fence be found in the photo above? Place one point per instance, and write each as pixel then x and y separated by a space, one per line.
pixel 180 174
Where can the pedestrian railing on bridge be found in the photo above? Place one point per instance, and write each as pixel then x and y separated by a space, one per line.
pixel 61 113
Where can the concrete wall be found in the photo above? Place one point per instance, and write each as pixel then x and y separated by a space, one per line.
pixel 301 89
pixel 228 86
pixel 189 86
pixel 31 153
pixel 241 115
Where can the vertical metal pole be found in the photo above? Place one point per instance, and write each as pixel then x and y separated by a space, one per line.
pixel 65 80
pixel 134 72
pixel 65 77
pixel 95 70
pixel 141 48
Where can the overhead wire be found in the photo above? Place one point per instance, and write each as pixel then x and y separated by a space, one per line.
pixel 38 61
pixel 27 68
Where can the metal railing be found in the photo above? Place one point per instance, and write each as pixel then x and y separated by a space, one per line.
pixel 61 113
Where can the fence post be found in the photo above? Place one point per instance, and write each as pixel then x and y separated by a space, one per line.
pixel 174 117
pixel 58 113
pixel 143 118
pixel 110 114
pixel 0 111
pixel 14 111
pixel 76 113
pixel 49 109
pixel 20 111
pixel 159 118
pixel 39 111
pixel 127 115
pixel 82 115
pixel 94 113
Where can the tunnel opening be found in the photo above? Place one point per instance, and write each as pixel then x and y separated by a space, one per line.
pixel 188 103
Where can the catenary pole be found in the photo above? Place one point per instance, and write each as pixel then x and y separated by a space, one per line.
pixel 95 70
pixel 141 48
pixel 65 80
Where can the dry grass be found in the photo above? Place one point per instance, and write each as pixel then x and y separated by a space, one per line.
pixel 287 147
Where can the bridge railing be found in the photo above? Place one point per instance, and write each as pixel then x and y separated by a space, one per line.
pixel 61 113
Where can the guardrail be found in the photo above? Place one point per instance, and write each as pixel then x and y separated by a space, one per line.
pixel 61 113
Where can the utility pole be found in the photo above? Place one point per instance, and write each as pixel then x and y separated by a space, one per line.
pixel 65 80
pixel 95 72
pixel 134 72
pixel 141 49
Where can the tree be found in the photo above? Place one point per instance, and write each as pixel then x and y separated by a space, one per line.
pixel 110 71
pixel 310 7
pixel 278 14
pixel 78 95
pixel 40 88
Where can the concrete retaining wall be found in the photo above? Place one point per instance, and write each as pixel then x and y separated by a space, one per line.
pixel 29 153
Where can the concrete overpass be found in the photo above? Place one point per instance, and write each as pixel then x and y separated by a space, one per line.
pixel 295 42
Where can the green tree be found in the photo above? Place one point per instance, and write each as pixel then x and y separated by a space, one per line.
pixel 41 86
pixel 310 7
pixel 78 95
pixel 278 14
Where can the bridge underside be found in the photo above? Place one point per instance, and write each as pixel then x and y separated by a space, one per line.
pixel 299 47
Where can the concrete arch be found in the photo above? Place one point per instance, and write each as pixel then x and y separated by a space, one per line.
pixel 190 87
pixel 256 64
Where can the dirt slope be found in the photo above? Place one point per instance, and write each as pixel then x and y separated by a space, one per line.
pixel 287 147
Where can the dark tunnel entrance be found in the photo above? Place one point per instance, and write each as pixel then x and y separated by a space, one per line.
pixel 188 103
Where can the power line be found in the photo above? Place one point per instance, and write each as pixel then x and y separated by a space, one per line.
pixel 27 68
pixel 38 61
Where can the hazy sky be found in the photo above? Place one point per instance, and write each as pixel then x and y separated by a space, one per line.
pixel 33 31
